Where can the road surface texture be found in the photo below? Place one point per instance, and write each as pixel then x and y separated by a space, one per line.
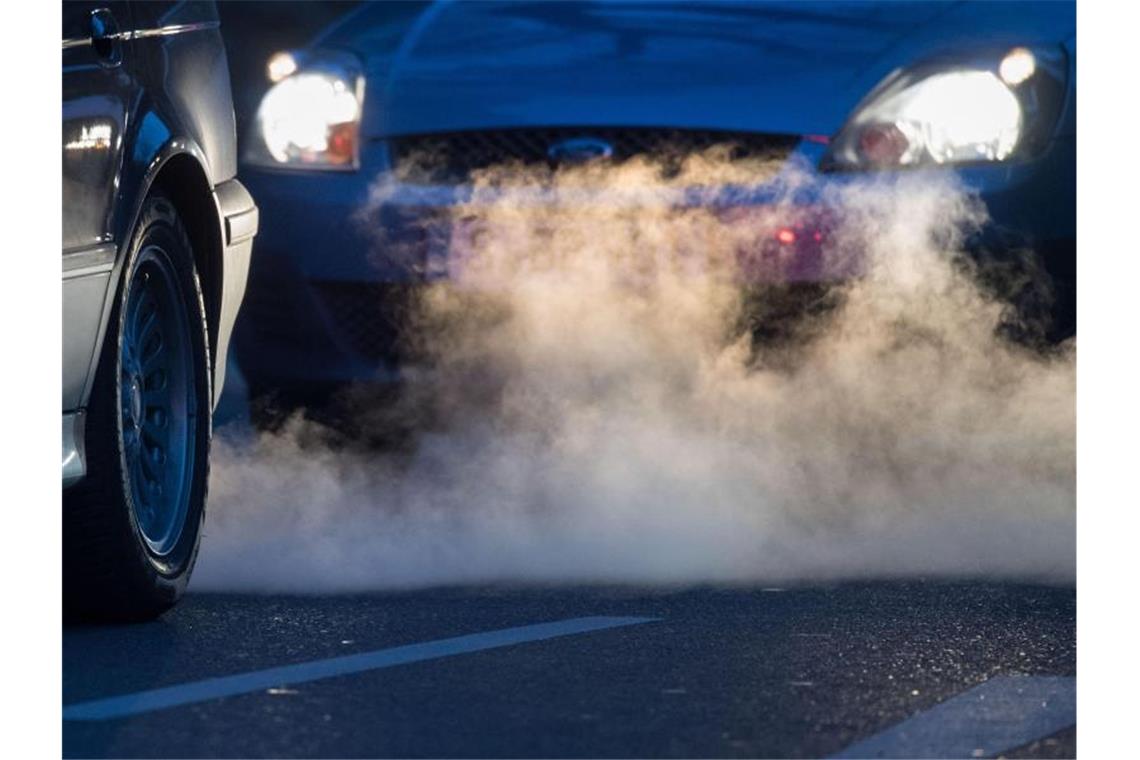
pixel 868 669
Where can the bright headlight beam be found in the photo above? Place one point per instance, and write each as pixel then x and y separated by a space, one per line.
pixel 298 114
pixel 965 115
pixel 955 116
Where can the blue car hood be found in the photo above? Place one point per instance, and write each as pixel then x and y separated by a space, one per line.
pixel 793 68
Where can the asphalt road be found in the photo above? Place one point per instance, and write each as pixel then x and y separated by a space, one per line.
pixel 808 671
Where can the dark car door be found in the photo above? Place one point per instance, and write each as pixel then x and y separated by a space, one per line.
pixel 97 88
pixel 97 93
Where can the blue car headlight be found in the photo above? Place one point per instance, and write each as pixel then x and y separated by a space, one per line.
pixel 310 117
pixel 986 110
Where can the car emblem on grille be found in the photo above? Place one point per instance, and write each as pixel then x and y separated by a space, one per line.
pixel 579 150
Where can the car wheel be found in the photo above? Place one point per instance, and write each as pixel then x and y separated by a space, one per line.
pixel 132 526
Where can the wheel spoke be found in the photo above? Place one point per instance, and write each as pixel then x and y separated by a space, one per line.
pixel 131 319
pixel 147 322
pixel 154 387
pixel 141 496
pixel 151 471
pixel 152 351
pixel 152 437
pixel 156 418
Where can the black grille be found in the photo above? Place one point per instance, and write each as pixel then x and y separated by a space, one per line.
pixel 452 157
pixel 371 319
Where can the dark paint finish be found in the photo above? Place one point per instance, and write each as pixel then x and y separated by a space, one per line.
pixel 98 90
pixel 143 83
pixel 165 94
pixel 779 67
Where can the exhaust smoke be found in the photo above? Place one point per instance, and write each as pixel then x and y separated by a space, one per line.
pixel 608 401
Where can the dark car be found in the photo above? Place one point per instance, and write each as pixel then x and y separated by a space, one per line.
pixel 846 89
pixel 157 234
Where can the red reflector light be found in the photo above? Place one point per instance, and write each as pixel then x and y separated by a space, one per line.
pixel 786 235
pixel 882 144
pixel 342 143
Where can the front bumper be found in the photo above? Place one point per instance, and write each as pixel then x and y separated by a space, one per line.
pixel 239 219
pixel 74 448
pixel 327 296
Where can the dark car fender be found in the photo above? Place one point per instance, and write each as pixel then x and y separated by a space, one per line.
pixel 221 220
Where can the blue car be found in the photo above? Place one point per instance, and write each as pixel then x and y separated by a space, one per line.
pixel 846 89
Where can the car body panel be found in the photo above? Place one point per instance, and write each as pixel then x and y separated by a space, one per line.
pixel 84 296
pixel 161 94
pixel 240 220
pixel 789 68
pixel 74 448
pixel 97 95
pixel 182 68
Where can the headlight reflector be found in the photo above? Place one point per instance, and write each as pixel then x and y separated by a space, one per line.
pixel 990 106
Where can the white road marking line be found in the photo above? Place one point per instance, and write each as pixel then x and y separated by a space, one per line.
pixel 1000 714
pixel 259 680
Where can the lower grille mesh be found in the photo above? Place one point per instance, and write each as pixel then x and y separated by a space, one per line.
pixel 372 318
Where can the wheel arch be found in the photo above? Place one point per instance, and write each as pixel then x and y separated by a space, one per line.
pixel 182 178
pixel 177 170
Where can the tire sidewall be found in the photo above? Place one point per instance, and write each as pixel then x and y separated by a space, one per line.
pixel 160 227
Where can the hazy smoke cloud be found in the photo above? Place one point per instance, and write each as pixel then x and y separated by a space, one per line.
pixel 597 409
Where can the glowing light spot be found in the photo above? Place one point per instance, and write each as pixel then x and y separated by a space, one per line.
pixel 1017 66
pixel 301 118
pixel 280 65
pixel 962 116
pixel 786 235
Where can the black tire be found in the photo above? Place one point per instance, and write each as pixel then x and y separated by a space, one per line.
pixel 112 571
